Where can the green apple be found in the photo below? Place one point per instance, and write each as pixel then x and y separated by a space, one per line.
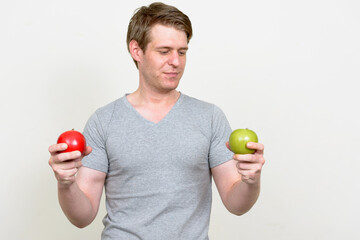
pixel 238 140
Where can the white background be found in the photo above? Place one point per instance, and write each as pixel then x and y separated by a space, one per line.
pixel 287 69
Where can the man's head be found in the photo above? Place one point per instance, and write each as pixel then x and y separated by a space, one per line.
pixel 156 13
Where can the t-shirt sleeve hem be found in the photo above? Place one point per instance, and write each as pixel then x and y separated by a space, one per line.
pixel 224 160
pixel 97 167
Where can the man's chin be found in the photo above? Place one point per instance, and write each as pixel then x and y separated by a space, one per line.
pixel 171 83
pixel 169 87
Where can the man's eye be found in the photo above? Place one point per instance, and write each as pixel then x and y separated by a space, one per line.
pixel 164 52
pixel 182 53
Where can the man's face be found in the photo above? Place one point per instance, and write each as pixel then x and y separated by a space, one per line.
pixel 162 64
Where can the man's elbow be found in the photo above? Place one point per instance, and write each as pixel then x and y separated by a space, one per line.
pixel 238 212
pixel 80 224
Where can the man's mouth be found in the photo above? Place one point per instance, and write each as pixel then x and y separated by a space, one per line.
pixel 171 74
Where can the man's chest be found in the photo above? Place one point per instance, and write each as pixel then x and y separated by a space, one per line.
pixel 168 150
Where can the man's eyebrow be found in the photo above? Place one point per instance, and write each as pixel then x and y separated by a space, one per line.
pixel 165 47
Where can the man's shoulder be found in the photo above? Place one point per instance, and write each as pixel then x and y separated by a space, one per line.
pixel 104 116
pixel 201 106
pixel 197 103
pixel 203 109
pixel 109 108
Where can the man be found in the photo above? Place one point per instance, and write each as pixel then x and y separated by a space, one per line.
pixel 156 149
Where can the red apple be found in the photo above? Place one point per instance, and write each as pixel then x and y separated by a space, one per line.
pixel 75 141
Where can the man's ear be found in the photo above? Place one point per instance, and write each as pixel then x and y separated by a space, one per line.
pixel 135 50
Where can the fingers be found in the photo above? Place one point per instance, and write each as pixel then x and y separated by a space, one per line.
pixel 66 161
pixel 249 158
pixel 65 165
pixel 65 175
pixel 246 166
pixel 62 157
pixel 56 148
pixel 249 166
pixel 252 145
pixel 65 171
pixel 250 172
pixel 257 146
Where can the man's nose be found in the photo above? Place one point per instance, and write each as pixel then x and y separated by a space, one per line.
pixel 174 59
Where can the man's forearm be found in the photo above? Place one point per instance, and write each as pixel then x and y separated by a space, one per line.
pixel 242 197
pixel 76 205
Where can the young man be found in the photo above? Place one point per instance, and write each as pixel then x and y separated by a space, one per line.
pixel 156 149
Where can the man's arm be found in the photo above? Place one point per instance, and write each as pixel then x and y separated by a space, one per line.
pixel 79 188
pixel 238 180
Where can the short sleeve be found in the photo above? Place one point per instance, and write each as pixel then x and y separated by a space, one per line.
pixel 96 139
pixel 220 133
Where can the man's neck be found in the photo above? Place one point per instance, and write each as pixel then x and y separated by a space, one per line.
pixel 141 98
pixel 153 107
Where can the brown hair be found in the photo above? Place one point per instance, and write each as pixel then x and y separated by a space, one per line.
pixel 156 13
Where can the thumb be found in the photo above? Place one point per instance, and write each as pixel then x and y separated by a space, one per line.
pixel 88 150
pixel 227 145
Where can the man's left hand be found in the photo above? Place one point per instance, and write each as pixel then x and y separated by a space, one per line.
pixel 249 165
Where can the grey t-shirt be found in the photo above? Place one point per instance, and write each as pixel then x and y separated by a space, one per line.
pixel 158 183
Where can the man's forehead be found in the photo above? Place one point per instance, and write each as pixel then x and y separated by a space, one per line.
pixel 167 36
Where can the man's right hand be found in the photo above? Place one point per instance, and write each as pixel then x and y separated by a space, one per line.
pixel 65 165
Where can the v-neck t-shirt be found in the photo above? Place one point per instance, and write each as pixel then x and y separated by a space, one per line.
pixel 158 183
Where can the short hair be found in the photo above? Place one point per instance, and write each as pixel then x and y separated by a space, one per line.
pixel 156 13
